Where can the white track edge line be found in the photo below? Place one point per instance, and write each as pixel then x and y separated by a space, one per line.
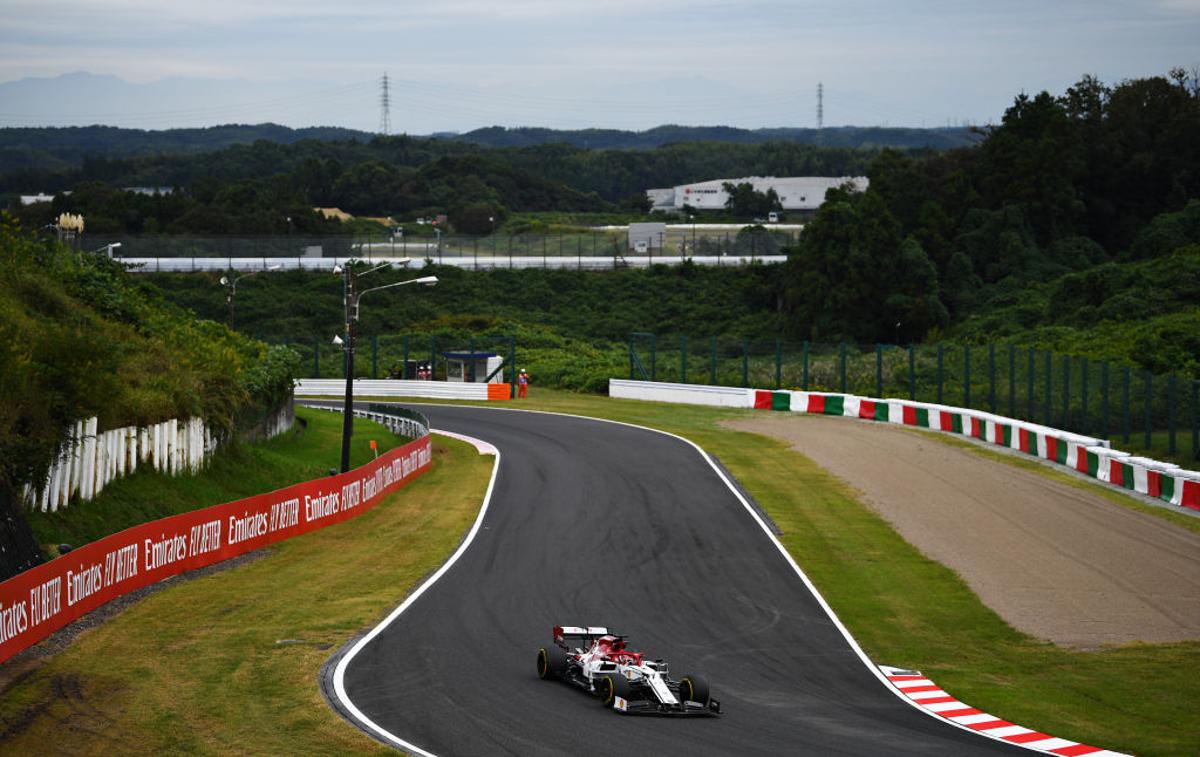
pixel 339 672
pixel 850 640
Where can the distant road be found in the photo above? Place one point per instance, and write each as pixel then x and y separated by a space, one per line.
pixel 482 262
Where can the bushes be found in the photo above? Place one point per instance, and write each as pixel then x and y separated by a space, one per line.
pixel 79 339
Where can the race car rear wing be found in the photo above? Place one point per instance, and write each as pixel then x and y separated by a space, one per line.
pixel 563 634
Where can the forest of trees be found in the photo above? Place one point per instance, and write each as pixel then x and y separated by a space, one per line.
pixel 47 150
pixel 403 176
pixel 1087 183
pixel 1096 176
pixel 860 137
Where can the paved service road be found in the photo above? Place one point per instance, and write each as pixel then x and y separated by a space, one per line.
pixel 594 523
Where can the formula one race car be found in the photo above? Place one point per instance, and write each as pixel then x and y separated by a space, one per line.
pixel 599 663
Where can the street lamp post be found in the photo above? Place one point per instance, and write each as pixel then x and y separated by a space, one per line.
pixel 232 284
pixel 352 298
pixel 693 217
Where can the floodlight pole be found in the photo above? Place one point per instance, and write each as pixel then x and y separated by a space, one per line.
pixel 351 306
pixel 351 299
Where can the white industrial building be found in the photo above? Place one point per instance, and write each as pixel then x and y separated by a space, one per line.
pixel 798 193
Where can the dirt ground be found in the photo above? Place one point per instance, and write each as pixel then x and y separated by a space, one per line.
pixel 1054 561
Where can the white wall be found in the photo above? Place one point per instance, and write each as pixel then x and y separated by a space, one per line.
pixel 691 394
pixel 392 388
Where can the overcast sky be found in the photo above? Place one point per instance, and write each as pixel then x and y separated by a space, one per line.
pixel 456 65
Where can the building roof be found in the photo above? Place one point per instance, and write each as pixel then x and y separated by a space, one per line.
pixel 468 355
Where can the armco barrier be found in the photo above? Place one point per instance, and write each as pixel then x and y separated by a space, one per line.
pixel 43 599
pixel 1084 454
pixel 446 390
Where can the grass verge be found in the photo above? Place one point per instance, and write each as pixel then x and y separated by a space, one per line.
pixel 909 611
pixel 202 667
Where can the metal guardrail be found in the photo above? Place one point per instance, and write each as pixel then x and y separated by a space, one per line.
pixel 399 420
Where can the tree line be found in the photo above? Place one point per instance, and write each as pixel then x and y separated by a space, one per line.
pixel 1098 175
pixel 398 176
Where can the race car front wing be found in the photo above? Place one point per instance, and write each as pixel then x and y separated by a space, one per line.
pixel 679 709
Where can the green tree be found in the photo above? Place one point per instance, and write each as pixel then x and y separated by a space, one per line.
pixel 854 275
pixel 746 202
pixel 479 218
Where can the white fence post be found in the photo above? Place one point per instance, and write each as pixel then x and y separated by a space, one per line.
pixel 90 460
pixel 87 484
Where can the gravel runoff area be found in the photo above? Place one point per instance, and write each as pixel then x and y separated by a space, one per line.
pixel 1054 561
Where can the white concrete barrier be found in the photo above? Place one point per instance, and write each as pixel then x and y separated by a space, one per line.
pixel 690 394
pixel 447 390
pixel 1088 455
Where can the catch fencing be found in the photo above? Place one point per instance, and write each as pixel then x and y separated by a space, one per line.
pixel 1109 399
pixel 590 250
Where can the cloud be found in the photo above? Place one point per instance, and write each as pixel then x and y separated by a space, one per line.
pixel 1181 6
pixel 466 62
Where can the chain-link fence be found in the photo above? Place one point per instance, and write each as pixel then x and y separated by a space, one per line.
pixel 1103 398
pixel 611 247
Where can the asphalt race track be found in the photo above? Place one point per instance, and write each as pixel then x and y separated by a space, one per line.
pixel 594 523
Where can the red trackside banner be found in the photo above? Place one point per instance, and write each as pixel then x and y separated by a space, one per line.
pixel 42 600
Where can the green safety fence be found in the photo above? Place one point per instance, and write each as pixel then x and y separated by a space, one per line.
pixel 1107 399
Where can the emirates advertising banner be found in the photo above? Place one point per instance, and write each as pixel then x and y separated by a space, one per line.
pixel 42 600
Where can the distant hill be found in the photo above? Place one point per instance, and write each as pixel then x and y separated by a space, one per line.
pixel 55 149
pixel 860 137
pixel 52 149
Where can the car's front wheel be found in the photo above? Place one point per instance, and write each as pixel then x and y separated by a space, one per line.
pixel 693 688
pixel 611 686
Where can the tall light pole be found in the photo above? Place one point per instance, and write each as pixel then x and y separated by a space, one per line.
pixel 351 300
pixel 232 284
pixel 693 217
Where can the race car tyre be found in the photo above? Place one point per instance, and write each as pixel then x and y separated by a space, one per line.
pixel 551 663
pixel 625 688
pixel 606 689
pixel 611 686
pixel 693 688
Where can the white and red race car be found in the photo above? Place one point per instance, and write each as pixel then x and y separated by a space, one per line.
pixel 598 662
